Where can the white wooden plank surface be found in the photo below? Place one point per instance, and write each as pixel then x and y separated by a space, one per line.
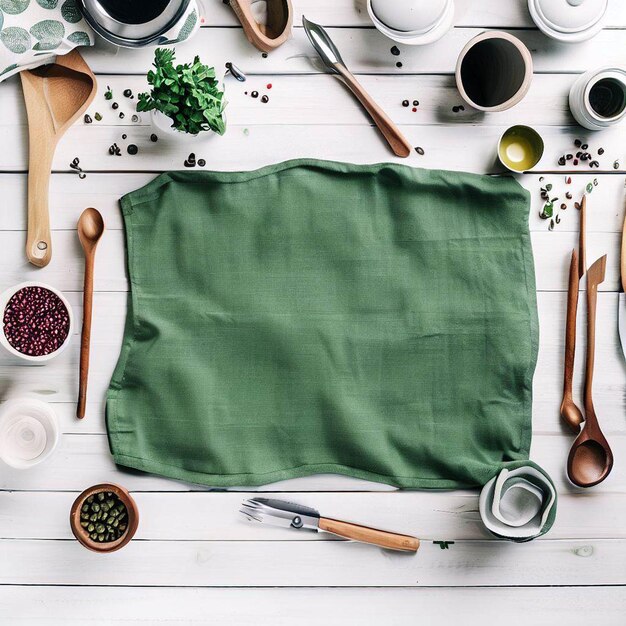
pixel 106 606
pixel 316 564
pixel 195 537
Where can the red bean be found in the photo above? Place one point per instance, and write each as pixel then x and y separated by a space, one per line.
pixel 35 321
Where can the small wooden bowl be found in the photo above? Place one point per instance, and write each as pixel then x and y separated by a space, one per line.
pixel 131 508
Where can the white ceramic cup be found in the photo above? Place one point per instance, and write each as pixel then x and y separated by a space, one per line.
pixel 162 127
pixel 29 432
pixel 597 99
pixel 494 71
pixel 5 296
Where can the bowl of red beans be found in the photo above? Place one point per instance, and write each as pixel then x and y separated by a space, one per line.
pixel 37 322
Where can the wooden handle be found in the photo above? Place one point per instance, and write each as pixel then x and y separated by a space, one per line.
pixel 582 238
pixel 623 252
pixel 41 145
pixel 570 325
pixel 399 144
pixel 85 339
pixel 381 538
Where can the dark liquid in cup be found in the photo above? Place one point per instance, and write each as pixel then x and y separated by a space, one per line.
pixel 134 11
pixel 607 97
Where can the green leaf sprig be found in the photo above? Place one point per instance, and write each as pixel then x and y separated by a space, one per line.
pixel 189 94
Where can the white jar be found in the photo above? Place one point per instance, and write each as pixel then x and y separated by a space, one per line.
pixel 598 98
pixel 29 432
pixel 162 127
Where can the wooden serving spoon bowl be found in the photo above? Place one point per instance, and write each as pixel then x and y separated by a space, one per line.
pixel 590 459
pixel 55 96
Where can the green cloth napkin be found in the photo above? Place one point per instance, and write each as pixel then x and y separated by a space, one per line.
pixel 376 321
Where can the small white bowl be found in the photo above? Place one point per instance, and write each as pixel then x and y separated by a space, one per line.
pixel 162 127
pixel 431 20
pixel 29 432
pixel 5 296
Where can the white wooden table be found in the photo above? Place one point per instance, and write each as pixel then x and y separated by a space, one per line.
pixel 194 559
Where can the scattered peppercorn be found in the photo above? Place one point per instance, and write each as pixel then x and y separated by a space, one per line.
pixel 398 64
pixel 568 195
pixel 255 94
pixel 132 149
pixel 124 136
pixel 405 103
pixel 577 143
pixel 134 119
pixel 265 99
pixel 575 161
pixel 416 103
pixel 600 151
pixel 568 180
pixel 562 161
pixel 569 157
pixel 201 162
pixel 122 116
pixel 268 86
pixel 395 51
pixel 419 150
pixel 153 138
pixel 264 55
pixel 615 165
pixel 563 206
pixel 414 109
pixel 88 119
pixel 98 117
pixel 115 105
pixel 557 219
pixel 585 146
pixel 128 93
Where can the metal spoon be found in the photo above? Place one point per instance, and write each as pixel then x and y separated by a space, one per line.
pixel 590 459
pixel 90 228
pixel 325 47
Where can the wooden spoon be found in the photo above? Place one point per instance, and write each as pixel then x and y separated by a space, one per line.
pixel 569 410
pixel 90 229
pixel 265 37
pixel 590 459
pixel 55 96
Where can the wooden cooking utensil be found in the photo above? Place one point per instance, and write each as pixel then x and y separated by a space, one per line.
pixel 590 459
pixel 55 96
pixel 266 37
pixel 570 412
pixel 90 229
pixel 582 238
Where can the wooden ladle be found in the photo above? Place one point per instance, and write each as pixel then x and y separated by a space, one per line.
pixel 55 96
pixel 90 229
pixel 590 459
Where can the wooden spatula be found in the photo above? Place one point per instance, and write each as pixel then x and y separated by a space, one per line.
pixel 55 95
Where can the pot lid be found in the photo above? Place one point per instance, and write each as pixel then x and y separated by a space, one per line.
pixel 415 16
pixel 568 17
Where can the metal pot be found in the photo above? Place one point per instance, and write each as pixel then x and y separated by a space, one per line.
pixel 138 23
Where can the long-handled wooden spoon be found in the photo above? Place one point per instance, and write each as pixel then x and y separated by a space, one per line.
pixel 590 459
pixel 569 410
pixel 55 96
pixel 90 229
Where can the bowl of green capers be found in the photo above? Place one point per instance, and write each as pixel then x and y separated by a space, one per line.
pixel 104 518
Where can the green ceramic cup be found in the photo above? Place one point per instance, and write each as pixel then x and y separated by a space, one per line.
pixel 520 148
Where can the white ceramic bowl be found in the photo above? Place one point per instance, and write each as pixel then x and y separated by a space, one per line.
pixel 580 104
pixel 422 28
pixel 5 296
pixel 29 432
pixel 162 127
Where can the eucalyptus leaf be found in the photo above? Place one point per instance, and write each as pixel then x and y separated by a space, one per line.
pixel 16 39
pixel 14 7
pixel 49 33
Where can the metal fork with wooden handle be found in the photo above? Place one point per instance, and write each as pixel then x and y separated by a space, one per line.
pixel 290 515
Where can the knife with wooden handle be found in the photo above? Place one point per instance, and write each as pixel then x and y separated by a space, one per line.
pixel 291 515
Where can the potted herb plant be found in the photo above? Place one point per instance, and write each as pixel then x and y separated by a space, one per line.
pixel 184 100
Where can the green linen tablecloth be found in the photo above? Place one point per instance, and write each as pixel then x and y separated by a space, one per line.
pixel 376 321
